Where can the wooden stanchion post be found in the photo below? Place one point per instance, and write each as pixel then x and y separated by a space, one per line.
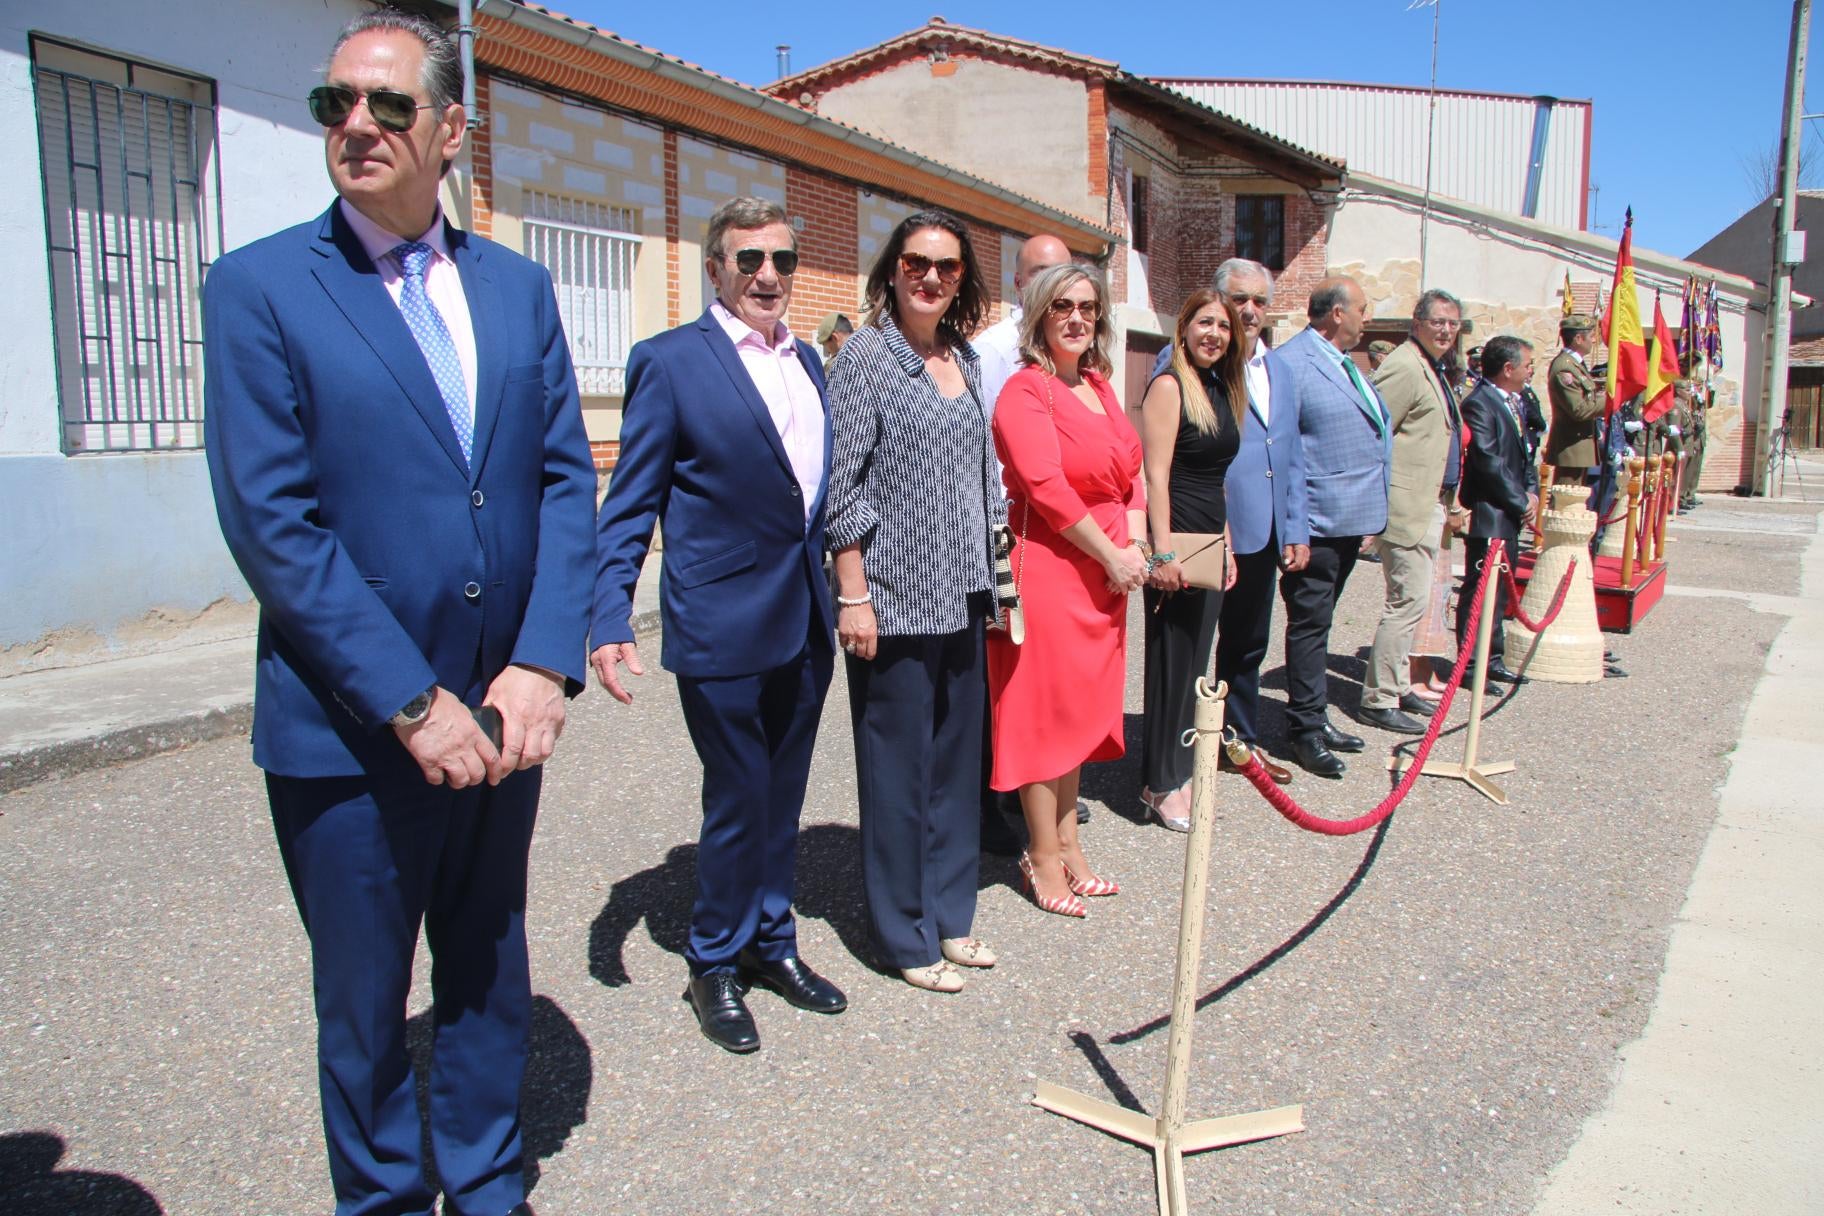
pixel 1668 485
pixel 1546 472
pixel 1470 770
pixel 1168 1135
pixel 1627 537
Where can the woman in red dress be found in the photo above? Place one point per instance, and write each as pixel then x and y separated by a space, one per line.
pixel 1078 506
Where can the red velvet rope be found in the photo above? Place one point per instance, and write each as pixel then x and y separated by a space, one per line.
pixel 1284 803
pixel 1551 613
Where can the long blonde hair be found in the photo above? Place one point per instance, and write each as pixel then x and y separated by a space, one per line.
pixel 1035 302
pixel 1231 365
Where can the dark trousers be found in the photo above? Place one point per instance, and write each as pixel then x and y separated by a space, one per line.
pixel 754 735
pixel 1180 632
pixel 1311 596
pixel 369 862
pixel 1475 550
pixel 917 710
pixel 1246 621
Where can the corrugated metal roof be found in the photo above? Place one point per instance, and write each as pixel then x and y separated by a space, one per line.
pixel 1480 154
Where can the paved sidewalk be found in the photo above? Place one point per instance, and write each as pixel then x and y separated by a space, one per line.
pixel 69 719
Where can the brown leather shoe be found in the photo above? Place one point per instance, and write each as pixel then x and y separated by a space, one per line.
pixel 1280 773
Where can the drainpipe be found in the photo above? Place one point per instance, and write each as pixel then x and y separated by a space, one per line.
pixel 465 45
pixel 1535 169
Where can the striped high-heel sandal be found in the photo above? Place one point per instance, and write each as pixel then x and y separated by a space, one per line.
pixel 1067 905
pixel 1093 887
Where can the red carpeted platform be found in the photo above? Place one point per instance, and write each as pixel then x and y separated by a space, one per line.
pixel 1618 609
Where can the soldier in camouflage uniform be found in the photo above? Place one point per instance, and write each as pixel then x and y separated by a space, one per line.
pixel 1573 445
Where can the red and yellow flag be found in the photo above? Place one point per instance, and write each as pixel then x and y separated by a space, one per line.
pixel 1569 307
pixel 1662 367
pixel 1621 327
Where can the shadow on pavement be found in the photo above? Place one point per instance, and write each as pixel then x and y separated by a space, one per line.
pixel 554 1098
pixel 32 1185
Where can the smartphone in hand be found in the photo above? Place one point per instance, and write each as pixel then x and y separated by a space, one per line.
pixel 488 718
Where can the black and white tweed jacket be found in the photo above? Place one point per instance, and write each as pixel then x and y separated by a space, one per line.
pixel 913 481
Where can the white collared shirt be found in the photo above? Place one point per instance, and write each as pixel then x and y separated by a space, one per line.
pixel 998 348
pixel 1260 385
pixel 790 394
pixel 442 280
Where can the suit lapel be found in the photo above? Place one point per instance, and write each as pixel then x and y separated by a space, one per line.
pixel 348 275
pixel 1338 377
pixel 814 367
pixel 730 360
pixel 487 319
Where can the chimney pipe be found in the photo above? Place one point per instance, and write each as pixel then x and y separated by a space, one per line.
pixel 784 51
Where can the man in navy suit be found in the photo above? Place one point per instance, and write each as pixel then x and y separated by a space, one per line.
pixel 726 443
pixel 401 472
pixel 1500 481
pixel 1347 443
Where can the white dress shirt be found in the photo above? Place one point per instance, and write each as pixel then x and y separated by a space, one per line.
pixel 998 347
pixel 790 394
pixel 1260 385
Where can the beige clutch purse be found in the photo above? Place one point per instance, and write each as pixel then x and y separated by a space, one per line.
pixel 1202 554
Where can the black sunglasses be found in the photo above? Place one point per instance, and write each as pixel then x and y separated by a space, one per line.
pixel 749 261
pixel 331 104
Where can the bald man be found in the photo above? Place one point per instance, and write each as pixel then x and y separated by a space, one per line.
pixel 998 346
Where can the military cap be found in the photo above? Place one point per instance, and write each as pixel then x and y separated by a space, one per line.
pixel 1577 323
pixel 830 324
pixel 1380 348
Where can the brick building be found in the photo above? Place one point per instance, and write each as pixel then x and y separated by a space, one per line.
pixel 604 159
pixel 1182 185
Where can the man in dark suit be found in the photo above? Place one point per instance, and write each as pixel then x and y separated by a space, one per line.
pixel 401 472
pixel 1499 481
pixel 725 441
pixel 1347 440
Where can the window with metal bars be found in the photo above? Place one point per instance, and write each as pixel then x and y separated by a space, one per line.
pixel 1260 229
pixel 132 221
pixel 589 248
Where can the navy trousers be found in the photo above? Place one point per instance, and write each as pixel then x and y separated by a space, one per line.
pixel 754 736
pixel 917 711
pixel 370 861
pixel 1242 637
pixel 1311 595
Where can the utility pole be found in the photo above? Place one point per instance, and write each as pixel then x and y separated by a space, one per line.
pixel 1786 251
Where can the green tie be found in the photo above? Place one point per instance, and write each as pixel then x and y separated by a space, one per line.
pixel 1368 398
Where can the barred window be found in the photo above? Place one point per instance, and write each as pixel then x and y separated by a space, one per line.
pixel 132 220
pixel 1260 229
pixel 589 249
pixel 1139 226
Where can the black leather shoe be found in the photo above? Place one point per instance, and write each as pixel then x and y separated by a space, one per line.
pixel 1337 741
pixel 1614 671
pixel 794 981
pixel 1280 773
pixel 1498 673
pixel 1314 757
pixel 1082 811
pixel 1396 720
pixel 1491 688
pixel 1413 703
pixel 722 1015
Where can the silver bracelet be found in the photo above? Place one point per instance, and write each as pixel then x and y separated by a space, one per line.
pixel 857 601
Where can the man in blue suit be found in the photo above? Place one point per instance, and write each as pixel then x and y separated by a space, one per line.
pixel 401 472
pixel 726 443
pixel 1348 445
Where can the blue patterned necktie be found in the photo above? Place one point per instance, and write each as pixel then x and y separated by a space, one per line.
pixel 434 340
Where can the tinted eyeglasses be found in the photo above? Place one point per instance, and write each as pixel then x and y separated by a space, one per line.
pixel 1238 298
pixel 917 266
pixel 331 104
pixel 749 261
pixel 1061 309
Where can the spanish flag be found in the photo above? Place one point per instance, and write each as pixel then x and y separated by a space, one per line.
pixel 1621 327
pixel 1662 367
pixel 1569 307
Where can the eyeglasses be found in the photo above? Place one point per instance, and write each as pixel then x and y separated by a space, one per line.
pixel 1442 322
pixel 331 104
pixel 1061 309
pixel 749 261
pixel 1240 298
pixel 917 266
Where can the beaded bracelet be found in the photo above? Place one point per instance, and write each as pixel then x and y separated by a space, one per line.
pixel 1160 559
pixel 855 601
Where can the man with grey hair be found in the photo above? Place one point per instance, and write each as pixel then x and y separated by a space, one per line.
pixel 401 472
pixel 1343 426
pixel 1422 489
pixel 726 443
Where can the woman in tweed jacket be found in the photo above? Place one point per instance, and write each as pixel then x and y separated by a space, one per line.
pixel 914 490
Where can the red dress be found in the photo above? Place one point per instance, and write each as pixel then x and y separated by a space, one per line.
pixel 1058 698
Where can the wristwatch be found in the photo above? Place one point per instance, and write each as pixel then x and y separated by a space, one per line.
pixel 416 710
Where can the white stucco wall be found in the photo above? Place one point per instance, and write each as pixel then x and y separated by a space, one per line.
pixel 94 544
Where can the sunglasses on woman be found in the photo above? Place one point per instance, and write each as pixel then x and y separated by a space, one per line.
pixel 331 104
pixel 1061 309
pixel 917 266
pixel 749 261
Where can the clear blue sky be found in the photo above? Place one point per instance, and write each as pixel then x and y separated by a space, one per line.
pixel 1683 89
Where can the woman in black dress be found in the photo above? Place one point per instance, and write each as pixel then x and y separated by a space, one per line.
pixel 1190 429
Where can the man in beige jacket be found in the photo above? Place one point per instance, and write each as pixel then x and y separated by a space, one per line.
pixel 1427 451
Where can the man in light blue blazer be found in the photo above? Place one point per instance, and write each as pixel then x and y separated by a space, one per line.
pixel 1347 447
pixel 400 470
pixel 726 442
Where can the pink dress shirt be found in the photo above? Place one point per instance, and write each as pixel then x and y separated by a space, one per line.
pixel 442 281
pixel 790 394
